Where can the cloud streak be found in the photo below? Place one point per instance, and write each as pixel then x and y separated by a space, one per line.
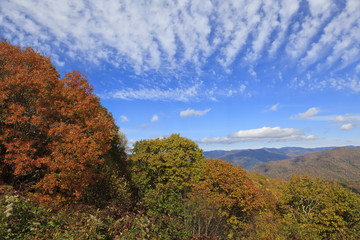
pixel 155 118
pixel 191 112
pixel 175 94
pixel 261 134
pixel 123 118
pixel 346 118
pixel 348 126
pixel 273 108
pixel 305 115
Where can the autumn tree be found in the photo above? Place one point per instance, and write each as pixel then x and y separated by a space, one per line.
pixel 224 200
pixel 316 209
pixel 164 170
pixel 54 133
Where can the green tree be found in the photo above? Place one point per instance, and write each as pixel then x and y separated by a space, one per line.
pixel 314 208
pixel 164 170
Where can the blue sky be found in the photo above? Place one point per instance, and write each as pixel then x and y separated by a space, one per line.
pixel 226 74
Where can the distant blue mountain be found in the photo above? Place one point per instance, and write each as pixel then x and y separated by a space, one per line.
pixel 250 158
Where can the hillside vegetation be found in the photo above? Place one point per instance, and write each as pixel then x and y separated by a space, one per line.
pixel 275 186
pixel 339 163
pixel 250 158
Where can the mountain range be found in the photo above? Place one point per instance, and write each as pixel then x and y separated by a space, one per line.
pixel 339 163
pixel 250 158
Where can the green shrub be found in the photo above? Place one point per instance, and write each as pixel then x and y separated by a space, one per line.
pixel 20 219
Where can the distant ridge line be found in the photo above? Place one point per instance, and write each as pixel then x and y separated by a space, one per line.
pixel 249 158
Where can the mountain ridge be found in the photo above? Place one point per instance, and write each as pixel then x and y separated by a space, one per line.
pixel 249 158
pixel 339 163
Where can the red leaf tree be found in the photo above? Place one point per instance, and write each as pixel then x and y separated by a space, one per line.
pixel 54 133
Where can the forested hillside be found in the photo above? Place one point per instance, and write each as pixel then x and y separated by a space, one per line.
pixel 339 163
pixel 250 158
pixel 64 174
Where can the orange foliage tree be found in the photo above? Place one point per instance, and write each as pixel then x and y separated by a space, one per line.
pixel 54 133
pixel 224 200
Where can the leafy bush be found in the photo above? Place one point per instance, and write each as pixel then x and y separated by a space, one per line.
pixel 22 218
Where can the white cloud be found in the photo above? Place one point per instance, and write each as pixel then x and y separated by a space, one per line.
pixel 344 118
pixel 358 68
pixel 242 88
pixel 320 11
pixel 123 118
pixel 155 118
pixel 287 10
pixel 338 38
pixel 273 108
pixel 131 141
pixel 191 112
pixel 310 137
pixel 235 22
pixel 261 134
pixel 348 126
pixel 310 112
pixel 337 118
pixel 177 94
pixel 269 21
pixel 349 82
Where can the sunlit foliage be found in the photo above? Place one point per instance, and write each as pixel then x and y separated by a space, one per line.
pixel 225 200
pixel 54 133
pixel 316 209
pixel 164 169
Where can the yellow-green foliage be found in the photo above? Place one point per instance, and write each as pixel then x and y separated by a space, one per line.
pixel 316 209
pixel 273 185
pixel 164 170
pixel 21 218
